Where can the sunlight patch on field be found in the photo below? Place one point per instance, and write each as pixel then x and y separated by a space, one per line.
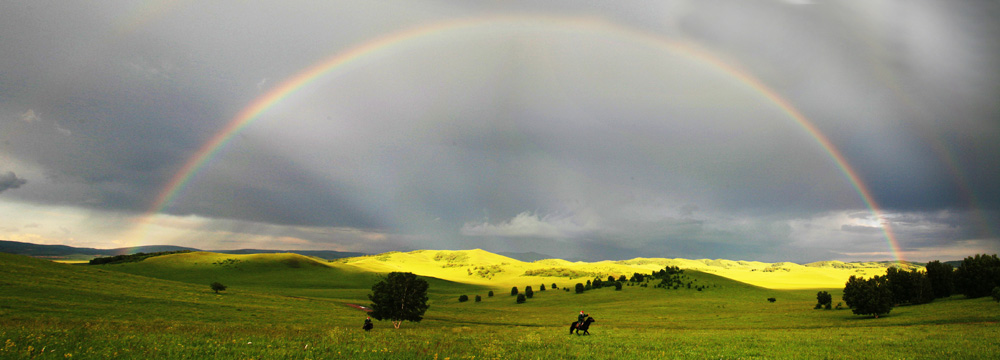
pixel 484 268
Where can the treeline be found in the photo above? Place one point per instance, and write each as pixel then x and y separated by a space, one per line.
pixel 976 277
pixel 118 259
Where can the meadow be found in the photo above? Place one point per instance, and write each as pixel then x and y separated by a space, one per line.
pixel 285 306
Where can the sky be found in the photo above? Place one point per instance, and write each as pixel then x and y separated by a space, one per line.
pixel 762 130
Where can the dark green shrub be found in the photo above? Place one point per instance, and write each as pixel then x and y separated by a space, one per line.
pixel 479 298
pixel 490 294
pixel 554 286
pixel 528 292
pixel 823 298
pixel 580 288
pixel 463 298
pixel 513 291
pixel 618 286
pixel 542 288
pixel 521 299
pixel 772 299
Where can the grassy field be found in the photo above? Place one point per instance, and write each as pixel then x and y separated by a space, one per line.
pixel 288 306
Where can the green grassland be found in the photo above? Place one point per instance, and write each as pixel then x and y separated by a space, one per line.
pixel 282 306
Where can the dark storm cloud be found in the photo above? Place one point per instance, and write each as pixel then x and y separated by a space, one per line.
pixel 515 137
pixel 10 181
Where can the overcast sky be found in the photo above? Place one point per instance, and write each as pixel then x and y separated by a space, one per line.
pixel 583 130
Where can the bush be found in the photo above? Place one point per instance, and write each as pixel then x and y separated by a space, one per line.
pixel 463 298
pixel 818 306
pixel 528 292
pixel 513 291
pixel 579 288
pixel 490 294
pixel 554 286
pixel 618 286
pixel 479 298
pixel 521 299
pixel 772 299
pixel 996 293
pixel 823 298
pixel 542 288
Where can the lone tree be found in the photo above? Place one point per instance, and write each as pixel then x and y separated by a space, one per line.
pixel 400 296
pixel 217 286
pixel 528 292
pixel 868 297
pixel 513 291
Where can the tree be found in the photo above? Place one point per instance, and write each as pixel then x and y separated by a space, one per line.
pixel 622 278
pixel 978 275
pixel 579 288
pixel 618 286
pixel 217 286
pixel 542 288
pixel 513 291
pixel 400 296
pixel 899 284
pixel 597 284
pixel 554 287
pixel 528 292
pixel 823 298
pixel 520 299
pixel 479 298
pixel 463 298
pixel 942 277
pixel 490 294
pixel 868 297
pixel 909 287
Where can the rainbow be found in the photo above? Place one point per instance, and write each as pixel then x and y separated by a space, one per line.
pixel 369 49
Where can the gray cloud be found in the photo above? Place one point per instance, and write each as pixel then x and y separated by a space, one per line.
pixel 10 181
pixel 545 133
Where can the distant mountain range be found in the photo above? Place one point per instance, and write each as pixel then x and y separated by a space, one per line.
pixel 68 252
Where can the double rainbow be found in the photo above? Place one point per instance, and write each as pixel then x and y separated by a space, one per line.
pixel 367 50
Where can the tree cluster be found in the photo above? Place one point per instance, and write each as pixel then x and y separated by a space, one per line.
pixel 118 259
pixel 977 276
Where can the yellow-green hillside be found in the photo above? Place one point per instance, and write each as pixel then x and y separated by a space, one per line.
pixel 488 269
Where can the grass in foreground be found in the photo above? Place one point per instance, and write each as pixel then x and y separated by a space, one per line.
pixel 57 311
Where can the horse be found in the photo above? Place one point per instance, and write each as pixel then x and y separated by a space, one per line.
pixel 368 325
pixel 585 326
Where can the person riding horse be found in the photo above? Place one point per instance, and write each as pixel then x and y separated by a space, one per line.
pixel 368 324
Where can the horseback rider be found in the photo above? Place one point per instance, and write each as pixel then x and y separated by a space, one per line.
pixel 368 324
pixel 580 319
